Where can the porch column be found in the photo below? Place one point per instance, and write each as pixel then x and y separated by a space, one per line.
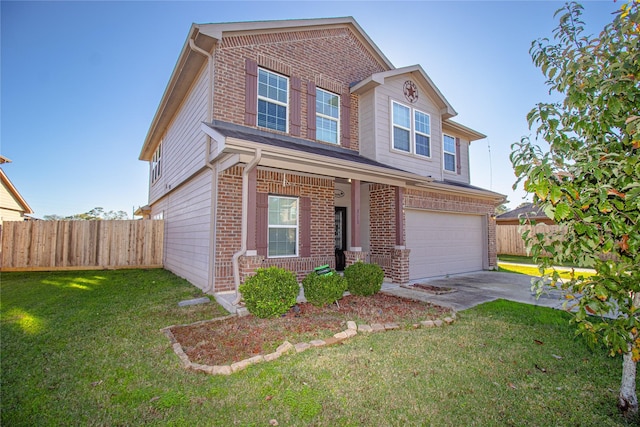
pixel 356 246
pixel 399 216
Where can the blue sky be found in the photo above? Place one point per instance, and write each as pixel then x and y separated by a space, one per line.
pixel 81 81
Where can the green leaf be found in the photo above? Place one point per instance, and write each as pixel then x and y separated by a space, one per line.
pixel 563 211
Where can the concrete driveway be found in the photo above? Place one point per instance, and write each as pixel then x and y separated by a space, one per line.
pixel 471 289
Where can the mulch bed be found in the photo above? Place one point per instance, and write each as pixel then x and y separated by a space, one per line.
pixel 238 338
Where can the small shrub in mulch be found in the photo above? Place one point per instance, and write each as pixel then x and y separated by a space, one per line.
pixel 323 289
pixel 270 292
pixel 364 279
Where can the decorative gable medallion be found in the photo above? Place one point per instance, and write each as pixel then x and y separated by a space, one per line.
pixel 410 91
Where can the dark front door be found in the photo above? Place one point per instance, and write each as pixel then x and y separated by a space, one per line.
pixel 341 236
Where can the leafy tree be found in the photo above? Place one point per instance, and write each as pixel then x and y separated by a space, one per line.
pixel 94 214
pixel 587 177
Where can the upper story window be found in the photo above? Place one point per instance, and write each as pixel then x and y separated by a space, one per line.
pixel 283 227
pixel 449 149
pixel 411 132
pixel 401 127
pixel 156 164
pixel 327 116
pixel 422 133
pixel 273 100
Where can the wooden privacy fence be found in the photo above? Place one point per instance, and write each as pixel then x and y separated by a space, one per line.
pixel 509 237
pixel 81 245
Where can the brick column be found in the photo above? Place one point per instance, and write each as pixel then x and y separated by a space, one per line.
pixel 248 265
pixel 351 257
pixel 400 265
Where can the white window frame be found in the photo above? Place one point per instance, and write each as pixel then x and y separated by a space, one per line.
pixel 156 164
pixel 330 118
pixel 416 132
pixel 411 129
pixel 445 152
pixel 295 227
pixel 399 126
pixel 273 101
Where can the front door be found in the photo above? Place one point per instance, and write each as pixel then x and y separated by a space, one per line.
pixel 341 236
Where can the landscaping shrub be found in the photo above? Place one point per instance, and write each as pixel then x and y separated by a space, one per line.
pixel 323 289
pixel 271 292
pixel 364 279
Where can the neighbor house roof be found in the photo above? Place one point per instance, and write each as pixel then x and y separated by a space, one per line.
pixel 205 36
pixel 528 210
pixel 13 191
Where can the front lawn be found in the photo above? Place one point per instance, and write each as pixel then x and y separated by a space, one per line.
pixel 85 348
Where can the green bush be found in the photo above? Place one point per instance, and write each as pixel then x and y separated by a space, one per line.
pixel 364 279
pixel 324 289
pixel 271 292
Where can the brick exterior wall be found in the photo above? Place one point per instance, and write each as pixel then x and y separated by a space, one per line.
pixel 332 59
pixel 382 225
pixel 319 190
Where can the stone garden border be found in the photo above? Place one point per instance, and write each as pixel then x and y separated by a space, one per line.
pixel 286 347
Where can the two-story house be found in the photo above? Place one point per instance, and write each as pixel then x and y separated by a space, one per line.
pixel 297 143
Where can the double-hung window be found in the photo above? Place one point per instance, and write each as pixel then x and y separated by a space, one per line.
pixel 401 127
pixel 449 145
pixel 411 130
pixel 156 164
pixel 273 100
pixel 422 133
pixel 327 116
pixel 283 226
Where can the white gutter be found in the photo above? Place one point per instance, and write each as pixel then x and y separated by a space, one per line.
pixel 245 207
pixel 214 173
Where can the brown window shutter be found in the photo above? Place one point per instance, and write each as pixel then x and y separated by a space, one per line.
pixel 262 223
pixel 296 107
pixel 311 110
pixel 458 162
pixel 345 119
pixel 305 226
pixel 251 92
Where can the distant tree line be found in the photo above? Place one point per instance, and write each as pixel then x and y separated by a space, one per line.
pixel 92 215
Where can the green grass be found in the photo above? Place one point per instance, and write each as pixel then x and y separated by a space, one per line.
pixel 533 271
pixel 84 348
pixel 520 259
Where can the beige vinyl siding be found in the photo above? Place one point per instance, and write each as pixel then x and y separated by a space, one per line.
pixel 183 145
pixel 187 215
pixel 367 125
pixel 393 91
pixel 10 215
pixel 8 202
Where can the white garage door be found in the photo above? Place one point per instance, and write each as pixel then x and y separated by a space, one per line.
pixel 443 243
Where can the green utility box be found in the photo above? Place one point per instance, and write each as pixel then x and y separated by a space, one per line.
pixel 323 270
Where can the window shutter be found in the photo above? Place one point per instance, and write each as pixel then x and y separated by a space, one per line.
pixel 458 162
pixel 305 226
pixel 250 92
pixel 262 223
pixel 345 119
pixel 311 110
pixel 251 214
pixel 296 113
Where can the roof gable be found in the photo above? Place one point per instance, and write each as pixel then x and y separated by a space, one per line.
pixel 13 191
pixel 205 36
pixel 416 72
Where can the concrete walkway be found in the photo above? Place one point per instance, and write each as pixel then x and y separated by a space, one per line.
pixel 471 289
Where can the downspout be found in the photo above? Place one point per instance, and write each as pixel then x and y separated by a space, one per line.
pixel 245 207
pixel 214 173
